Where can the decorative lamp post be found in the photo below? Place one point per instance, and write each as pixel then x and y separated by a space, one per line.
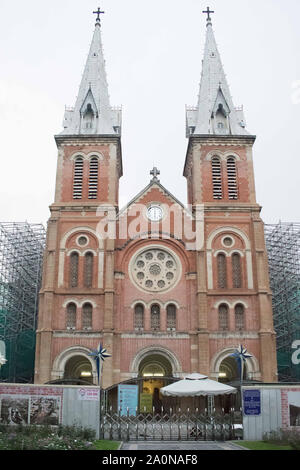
pixel 99 356
pixel 241 355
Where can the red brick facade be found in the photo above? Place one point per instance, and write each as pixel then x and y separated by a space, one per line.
pixel 198 343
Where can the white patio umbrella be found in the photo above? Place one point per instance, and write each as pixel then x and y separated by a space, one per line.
pixel 195 385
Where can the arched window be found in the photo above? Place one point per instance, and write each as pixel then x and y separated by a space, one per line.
pixel 223 317
pixel 78 176
pixel 73 276
pixel 88 269
pixel 87 316
pixel 88 117
pixel 71 316
pixel 236 271
pixel 216 178
pixel 155 317
pixel 239 314
pixel 232 178
pixel 93 178
pixel 171 317
pixel 139 317
pixel 222 271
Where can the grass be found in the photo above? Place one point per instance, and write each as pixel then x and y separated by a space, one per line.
pixel 262 445
pixel 106 445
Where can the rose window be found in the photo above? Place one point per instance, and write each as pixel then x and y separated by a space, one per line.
pixel 154 270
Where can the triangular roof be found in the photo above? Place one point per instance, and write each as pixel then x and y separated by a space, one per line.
pixel 153 183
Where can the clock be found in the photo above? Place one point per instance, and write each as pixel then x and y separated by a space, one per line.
pixel 154 213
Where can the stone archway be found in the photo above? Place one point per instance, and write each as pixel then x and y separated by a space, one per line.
pixel 74 363
pixel 159 355
pixel 78 368
pixel 223 362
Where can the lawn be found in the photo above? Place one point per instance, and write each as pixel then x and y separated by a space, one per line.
pixel 106 445
pixel 262 445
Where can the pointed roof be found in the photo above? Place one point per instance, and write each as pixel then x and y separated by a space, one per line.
pixel 92 113
pixel 154 183
pixel 215 112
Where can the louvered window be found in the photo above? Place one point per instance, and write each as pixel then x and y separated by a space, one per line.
pixel 236 271
pixel 171 317
pixel 71 316
pixel 74 260
pixel 139 317
pixel 222 271
pixel 88 269
pixel 232 178
pixel 239 312
pixel 87 314
pixel 155 317
pixel 216 178
pixel 78 177
pixel 223 317
pixel 93 178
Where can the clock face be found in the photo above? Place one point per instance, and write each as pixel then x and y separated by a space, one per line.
pixel 155 213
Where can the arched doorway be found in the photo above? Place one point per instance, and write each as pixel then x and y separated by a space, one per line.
pixel 155 369
pixel 229 371
pixel 78 368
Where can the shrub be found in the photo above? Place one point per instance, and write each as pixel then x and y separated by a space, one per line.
pixel 45 438
pixel 284 437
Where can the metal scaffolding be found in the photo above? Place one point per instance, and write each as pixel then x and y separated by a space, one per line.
pixel 21 258
pixel 283 246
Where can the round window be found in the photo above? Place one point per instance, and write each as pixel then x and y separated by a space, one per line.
pixel 155 269
pixel 82 240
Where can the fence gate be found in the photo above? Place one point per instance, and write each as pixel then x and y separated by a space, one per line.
pixel 170 426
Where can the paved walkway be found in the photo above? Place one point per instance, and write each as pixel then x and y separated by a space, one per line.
pixel 180 445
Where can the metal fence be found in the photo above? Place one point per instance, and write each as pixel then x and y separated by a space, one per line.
pixel 171 426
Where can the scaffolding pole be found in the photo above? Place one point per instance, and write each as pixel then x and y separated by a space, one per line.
pixel 21 257
pixel 283 247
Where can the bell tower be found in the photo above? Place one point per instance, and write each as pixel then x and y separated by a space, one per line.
pixel 77 294
pixel 232 266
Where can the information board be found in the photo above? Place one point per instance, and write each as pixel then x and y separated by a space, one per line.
pixel 252 402
pixel 127 399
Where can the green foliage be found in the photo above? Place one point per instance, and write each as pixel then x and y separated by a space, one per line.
pixel 46 438
pixel 106 445
pixel 290 437
pixel 261 445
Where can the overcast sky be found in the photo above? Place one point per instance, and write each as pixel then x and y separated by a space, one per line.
pixel 153 51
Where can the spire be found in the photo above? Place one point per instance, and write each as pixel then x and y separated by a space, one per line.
pixel 92 113
pixel 215 112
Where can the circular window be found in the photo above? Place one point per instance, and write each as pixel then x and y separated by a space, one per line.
pixel 155 269
pixel 82 240
pixel 227 241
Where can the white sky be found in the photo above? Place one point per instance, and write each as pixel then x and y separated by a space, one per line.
pixel 153 52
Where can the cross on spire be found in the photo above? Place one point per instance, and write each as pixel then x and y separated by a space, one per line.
pixel 155 172
pixel 208 12
pixel 98 13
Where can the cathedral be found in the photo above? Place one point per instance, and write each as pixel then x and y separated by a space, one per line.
pixel 166 288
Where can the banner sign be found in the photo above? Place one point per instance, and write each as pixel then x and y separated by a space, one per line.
pixel 127 399
pixel 252 402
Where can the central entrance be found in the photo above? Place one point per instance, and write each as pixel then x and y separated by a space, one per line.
pixel 148 415
pixel 153 369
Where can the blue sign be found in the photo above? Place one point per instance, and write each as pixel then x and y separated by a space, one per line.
pixel 127 399
pixel 252 402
